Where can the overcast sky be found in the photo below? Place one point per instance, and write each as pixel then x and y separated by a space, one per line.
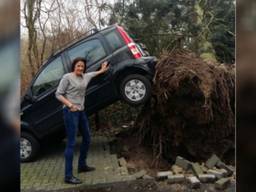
pixel 68 5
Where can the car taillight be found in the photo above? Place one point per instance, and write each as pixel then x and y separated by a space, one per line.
pixel 135 51
pixel 128 41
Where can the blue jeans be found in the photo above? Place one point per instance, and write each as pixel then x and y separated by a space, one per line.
pixel 73 121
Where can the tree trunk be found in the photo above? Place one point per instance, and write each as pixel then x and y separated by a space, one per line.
pixel 204 45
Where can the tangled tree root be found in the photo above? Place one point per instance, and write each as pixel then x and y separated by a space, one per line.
pixel 192 111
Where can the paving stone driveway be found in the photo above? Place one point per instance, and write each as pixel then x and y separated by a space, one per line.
pixel 47 172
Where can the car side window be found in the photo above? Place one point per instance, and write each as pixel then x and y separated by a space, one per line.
pixel 91 50
pixel 114 40
pixel 49 77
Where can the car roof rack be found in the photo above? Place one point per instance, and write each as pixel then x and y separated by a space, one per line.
pixel 80 37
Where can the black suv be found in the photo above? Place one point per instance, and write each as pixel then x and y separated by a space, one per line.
pixel 129 78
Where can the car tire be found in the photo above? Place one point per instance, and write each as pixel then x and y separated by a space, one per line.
pixel 135 89
pixel 29 147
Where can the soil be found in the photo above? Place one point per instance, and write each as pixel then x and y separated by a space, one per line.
pixel 138 156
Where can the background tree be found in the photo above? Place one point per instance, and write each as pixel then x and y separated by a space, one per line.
pixel 204 26
pixel 31 11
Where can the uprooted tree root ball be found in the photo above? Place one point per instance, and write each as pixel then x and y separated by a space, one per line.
pixel 192 111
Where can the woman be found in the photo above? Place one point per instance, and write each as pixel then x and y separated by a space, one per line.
pixel 71 92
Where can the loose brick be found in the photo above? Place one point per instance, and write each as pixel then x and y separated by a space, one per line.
pixel 206 178
pixel 196 169
pixel 122 162
pixel 222 183
pixel 194 182
pixel 175 178
pixel 163 175
pixel 123 170
pixel 218 173
pixel 210 163
pixel 140 174
pixel 181 162
pixel 229 169
pixel 205 169
pixel 177 169
pixel 224 172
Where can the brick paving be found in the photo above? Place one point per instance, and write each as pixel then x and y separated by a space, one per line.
pixel 47 172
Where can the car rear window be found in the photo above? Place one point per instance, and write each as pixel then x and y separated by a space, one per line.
pixel 91 50
pixel 114 40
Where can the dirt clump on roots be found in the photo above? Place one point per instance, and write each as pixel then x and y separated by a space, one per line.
pixel 192 109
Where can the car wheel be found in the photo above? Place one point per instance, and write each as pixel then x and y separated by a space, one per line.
pixel 29 147
pixel 135 89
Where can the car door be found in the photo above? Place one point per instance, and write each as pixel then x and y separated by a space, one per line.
pixel 99 89
pixel 45 111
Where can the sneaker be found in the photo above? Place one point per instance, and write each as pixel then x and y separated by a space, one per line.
pixel 73 180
